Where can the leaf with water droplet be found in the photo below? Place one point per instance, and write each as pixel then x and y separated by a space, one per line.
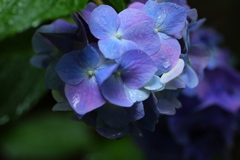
pixel 19 15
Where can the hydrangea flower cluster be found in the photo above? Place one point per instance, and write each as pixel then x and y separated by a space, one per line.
pixel 119 71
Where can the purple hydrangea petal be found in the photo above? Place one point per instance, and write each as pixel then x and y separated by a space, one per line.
pixel 69 70
pixel 168 54
pixel 104 22
pixel 130 17
pixel 137 95
pixel 113 90
pixel 86 12
pixel 189 76
pixel 169 18
pixel 81 96
pixel 200 57
pixel 112 48
pixel 136 5
pixel 144 35
pixel 136 68
pixel 173 73
pixel 61 26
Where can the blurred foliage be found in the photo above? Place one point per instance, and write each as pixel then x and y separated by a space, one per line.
pixel 21 83
pixel 119 5
pixel 51 135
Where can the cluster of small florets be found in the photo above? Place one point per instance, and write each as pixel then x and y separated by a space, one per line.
pixel 119 71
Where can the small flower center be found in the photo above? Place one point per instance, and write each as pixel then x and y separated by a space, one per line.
pixel 90 73
pixel 118 73
pixel 118 36
pixel 156 30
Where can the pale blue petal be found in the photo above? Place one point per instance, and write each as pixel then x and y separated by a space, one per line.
pixel 173 73
pixel 137 95
pixel 154 84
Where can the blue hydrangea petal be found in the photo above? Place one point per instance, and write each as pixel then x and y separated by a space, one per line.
pixel 112 48
pixel 104 22
pixel 69 70
pixel 136 68
pixel 41 60
pixel 189 76
pixel 169 18
pixel 89 57
pixel 135 112
pixel 113 90
pixel 130 17
pixel 113 116
pixel 111 133
pixel 167 102
pixel 52 79
pixel 137 95
pixel 144 35
pixel 81 96
pixel 173 73
pixel 40 44
pixel 151 116
pixel 104 73
pixel 175 84
pixel 64 42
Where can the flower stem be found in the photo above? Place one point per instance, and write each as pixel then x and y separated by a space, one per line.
pixel 98 2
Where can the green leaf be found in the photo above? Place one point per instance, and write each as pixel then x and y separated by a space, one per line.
pixel 21 85
pixel 19 15
pixel 119 5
